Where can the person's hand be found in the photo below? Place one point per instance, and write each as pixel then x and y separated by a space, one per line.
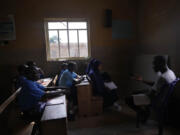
pixel 40 81
pixel 137 78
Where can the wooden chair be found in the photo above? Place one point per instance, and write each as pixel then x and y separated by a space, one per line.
pixel 54 82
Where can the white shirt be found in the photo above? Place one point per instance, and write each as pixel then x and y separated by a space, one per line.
pixel 169 76
pixel 143 99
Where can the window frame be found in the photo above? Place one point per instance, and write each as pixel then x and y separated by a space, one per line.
pixel 46 20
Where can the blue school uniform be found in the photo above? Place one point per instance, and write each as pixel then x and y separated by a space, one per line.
pixel 98 83
pixel 67 79
pixel 19 81
pixel 30 95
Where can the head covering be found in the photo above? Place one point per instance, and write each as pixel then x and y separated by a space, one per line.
pixel 96 64
pixel 90 65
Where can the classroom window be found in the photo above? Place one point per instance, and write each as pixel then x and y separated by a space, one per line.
pixel 67 39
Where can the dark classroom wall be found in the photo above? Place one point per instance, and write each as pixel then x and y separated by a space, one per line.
pixel 159 28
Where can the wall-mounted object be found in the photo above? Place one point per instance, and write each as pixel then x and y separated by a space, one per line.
pixel 108 18
pixel 7 28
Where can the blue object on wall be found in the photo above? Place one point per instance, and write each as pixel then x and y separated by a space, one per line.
pixel 122 29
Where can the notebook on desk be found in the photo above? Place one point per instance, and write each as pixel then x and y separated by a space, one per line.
pixel 55 101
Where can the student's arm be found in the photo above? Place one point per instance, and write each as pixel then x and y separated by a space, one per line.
pixel 55 88
pixel 50 88
pixel 52 94
pixel 139 78
pixel 150 83
pixel 76 75
pixel 77 81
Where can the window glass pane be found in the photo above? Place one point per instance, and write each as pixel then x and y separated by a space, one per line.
pixel 77 25
pixel 53 44
pixel 83 43
pixel 63 43
pixel 57 25
pixel 73 43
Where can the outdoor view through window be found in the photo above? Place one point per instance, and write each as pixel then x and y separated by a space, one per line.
pixel 67 39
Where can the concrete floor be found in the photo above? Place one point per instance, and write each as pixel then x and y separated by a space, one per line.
pixel 115 123
pixel 108 123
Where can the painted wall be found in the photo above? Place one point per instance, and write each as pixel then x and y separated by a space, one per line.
pixel 116 55
pixel 159 28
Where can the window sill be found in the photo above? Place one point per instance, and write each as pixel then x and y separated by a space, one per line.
pixel 68 59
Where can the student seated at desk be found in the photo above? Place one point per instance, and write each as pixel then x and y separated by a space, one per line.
pixel 68 79
pixel 32 94
pixel 145 97
pixel 21 76
pixel 98 83
pixel 39 70
pixel 90 65
pixel 63 68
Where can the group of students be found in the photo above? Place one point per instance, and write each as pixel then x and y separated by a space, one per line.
pixel 68 78
pixel 32 95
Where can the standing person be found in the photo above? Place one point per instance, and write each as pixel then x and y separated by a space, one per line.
pixel 145 97
pixel 109 95
pixel 40 71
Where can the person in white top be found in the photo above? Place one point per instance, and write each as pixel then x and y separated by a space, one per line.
pixel 145 97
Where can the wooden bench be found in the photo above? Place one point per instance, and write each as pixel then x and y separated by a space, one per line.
pixel 4 105
pixel 54 118
pixel 10 122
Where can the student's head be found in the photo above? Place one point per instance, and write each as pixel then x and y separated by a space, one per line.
pixel 90 65
pixel 31 63
pixel 71 66
pixel 21 69
pixel 64 66
pixel 32 74
pixel 97 65
pixel 160 64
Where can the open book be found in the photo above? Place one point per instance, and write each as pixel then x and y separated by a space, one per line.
pixel 110 85
pixel 55 101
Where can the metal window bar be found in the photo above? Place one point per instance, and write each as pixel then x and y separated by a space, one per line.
pixel 67 29
pixel 78 43
pixel 68 38
pixel 59 45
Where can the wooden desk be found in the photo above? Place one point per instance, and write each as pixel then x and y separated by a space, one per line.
pixel 88 104
pixel 45 82
pixel 53 121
